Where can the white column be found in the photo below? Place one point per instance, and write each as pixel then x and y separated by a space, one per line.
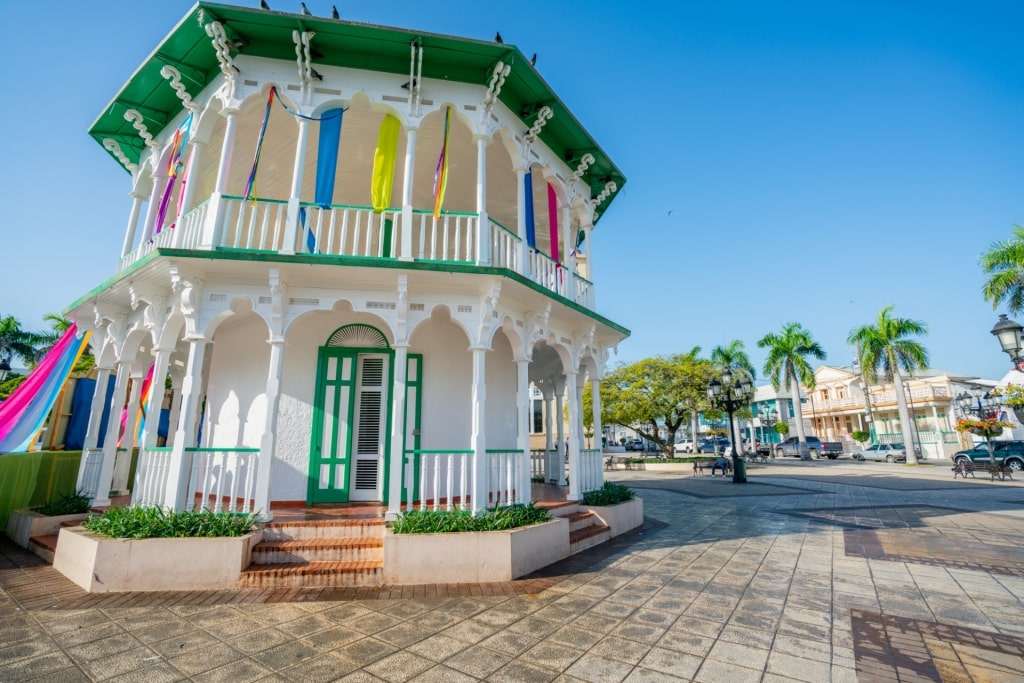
pixel 149 225
pixel 292 222
pixel 133 223
pixel 559 387
pixel 405 244
pixel 150 430
pixel 478 401
pixel 102 498
pixel 589 250
pixel 214 218
pixel 268 445
pixel 483 243
pixel 524 248
pixel 595 404
pixel 396 472
pixel 572 392
pixel 548 391
pixel 123 462
pixel 92 432
pixel 523 400
pixel 180 466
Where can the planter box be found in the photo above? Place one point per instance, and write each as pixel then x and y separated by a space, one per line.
pixel 25 523
pixel 473 557
pixel 619 518
pixel 114 565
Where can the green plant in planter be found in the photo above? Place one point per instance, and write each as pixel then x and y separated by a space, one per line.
pixel 781 428
pixel 609 494
pixel 69 504
pixel 860 437
pixel 455 521
pixel 1012 394
pixel 152 522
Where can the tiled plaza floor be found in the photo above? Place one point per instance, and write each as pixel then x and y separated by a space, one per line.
pixel 810 572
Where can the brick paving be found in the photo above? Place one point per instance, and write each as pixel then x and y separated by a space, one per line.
pixel 827 571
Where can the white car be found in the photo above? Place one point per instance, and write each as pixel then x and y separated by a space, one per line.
pixel 684 447
pixel 889 452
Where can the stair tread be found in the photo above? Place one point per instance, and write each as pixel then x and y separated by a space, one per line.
pixel 581 515
pixel 318 543
pixel 49 541
pixel 316 567
pixel 362 521
pixel 587 532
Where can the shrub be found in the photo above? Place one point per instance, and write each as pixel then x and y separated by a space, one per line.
pixel 609 494
pixel 451 521
pixel 68 504
pixel 151 522
pixel 860 437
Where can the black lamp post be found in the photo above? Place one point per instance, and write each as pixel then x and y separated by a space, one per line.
pixel 5 367
pixel 768 419
pixel 730 397
pixel 982 406
pixel 1008 332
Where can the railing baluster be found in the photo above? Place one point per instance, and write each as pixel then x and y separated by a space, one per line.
pixel 450 480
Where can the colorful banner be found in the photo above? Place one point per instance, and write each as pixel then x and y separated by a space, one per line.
pixel 327 156
pixel 24 412
pixel 531 228
pixel 441 172
pixel 553 223
pixel 251 180
pixel 384 163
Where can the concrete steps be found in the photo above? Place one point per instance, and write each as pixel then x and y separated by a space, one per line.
pixel 585 528
pixel 342 553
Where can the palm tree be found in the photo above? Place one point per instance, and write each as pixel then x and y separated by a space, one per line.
pixel 787 361
pixel 734 359
pixel 1004 265
pixel 885 350
pixel 16 342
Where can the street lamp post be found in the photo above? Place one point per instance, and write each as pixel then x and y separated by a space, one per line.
pixel 5 367
pixel 768 419
pixel 1008 332
pixel 730 397
pixel 982 406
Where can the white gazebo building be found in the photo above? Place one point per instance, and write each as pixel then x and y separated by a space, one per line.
pixel 350 251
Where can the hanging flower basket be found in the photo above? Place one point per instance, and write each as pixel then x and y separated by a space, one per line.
pixel 980 431
pixel 986 428
pixel 1018 412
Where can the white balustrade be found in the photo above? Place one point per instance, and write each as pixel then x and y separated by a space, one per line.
pixel 539 464
pixel 504 471
pixel 253 225
pixel 591 474
pixel 90 479
pixel 348 231
pixel 504 247
pixel 189 231
pixel 223 479
pixel 151 472
pixel 448 238
pixel 437 480
pixel 584 292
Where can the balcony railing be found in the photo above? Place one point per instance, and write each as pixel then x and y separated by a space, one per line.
pixel 878 398
pixel 233 223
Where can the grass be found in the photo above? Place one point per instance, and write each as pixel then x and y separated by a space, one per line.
pixel 454 521
pixel 68 504
pixel 151 522
pixel 609 494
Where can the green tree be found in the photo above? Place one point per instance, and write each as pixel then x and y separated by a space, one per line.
pixel 58 326
pixel 653 392
pixel 1003 263
pixel 788 351
pixel 887 351
pixel 16 342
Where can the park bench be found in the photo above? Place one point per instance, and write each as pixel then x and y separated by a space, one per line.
pixel 613 461
pixel 758 456
pixel 1000 472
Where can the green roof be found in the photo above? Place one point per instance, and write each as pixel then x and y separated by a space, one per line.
pixel 344 44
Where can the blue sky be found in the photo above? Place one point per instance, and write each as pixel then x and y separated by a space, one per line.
pixel 786 161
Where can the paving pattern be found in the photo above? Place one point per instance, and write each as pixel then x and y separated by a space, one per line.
pixel 824 571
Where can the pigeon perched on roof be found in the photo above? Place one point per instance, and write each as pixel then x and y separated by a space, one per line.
pixel 334 12
pixel 497 37
pixel 305 10
pixel 264 5
pixel 533 59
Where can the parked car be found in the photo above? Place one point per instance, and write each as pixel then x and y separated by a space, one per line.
pixel 634 444
pixel 684 447
pixel 722 445
pixel 1010 453
pixel 889 452
pixel 817 448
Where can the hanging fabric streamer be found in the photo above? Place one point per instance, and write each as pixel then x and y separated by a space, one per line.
pixel 384 163
pixel 310 237
pixel 251 181
pixel 23 413
pixel 581 236
pixel 553 223
pixel 147 384
pixel 531 229
pixel 327 156
pixel 174 166
pixel 441 172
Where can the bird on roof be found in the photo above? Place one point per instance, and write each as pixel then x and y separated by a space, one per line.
pixel 264 5
pixel 405 85
pixel 533 59
pixel 497 37
pixel 334 12
pixel 305 10
pixel 315 74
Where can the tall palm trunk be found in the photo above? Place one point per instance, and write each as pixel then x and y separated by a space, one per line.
pixel 905 425
pixel 798 415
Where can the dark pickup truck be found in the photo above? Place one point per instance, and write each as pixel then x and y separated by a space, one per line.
pixel 817 447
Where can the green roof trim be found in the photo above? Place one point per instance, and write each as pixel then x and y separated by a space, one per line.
pixel 358 261
pixel 344 44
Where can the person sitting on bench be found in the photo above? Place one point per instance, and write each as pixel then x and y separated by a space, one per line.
pixel 721 463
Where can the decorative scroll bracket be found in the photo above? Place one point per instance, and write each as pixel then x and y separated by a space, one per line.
pixel 222 46
pixel 115 149
pixel 174 76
